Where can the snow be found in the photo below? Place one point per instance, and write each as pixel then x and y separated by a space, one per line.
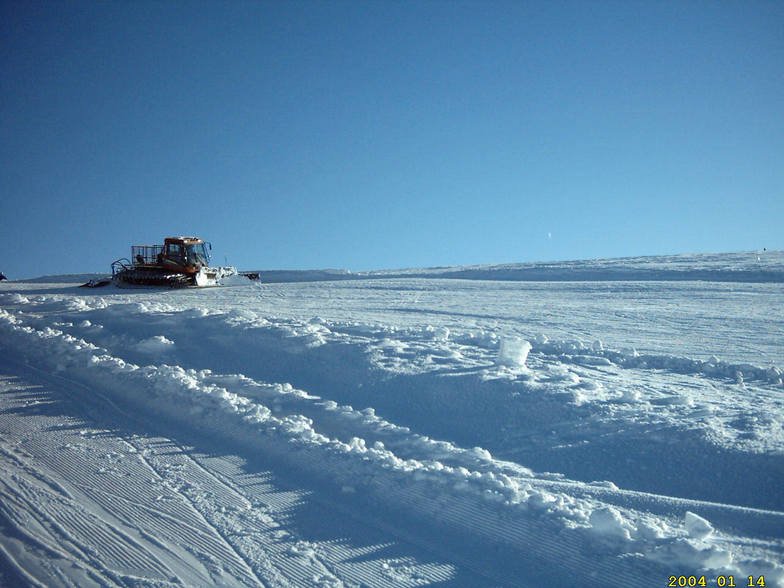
pixel 513 352
pixel 153 345
pixel 395 431
pixel 749 266
pixel 697 527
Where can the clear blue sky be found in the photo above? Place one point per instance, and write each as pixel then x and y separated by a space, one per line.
pixel 369 135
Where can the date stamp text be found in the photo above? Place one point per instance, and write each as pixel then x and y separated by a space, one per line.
pixel 720 581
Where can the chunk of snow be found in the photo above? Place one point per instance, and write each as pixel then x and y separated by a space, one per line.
pixel 630 395
pixel 605 484
pixel 437 333
pixel 541 339
pixel 513 352
pixel 441 334
pixel 481 453
pixel 697 527
pixel 157 344
pixel 609 522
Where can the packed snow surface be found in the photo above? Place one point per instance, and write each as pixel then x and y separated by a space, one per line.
pixel 397 431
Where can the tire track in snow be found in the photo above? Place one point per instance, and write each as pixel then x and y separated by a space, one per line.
pixel 12 573
pixel 150 553
pixel 200 538
pixel 350 564
pixel 227 551
pixel 62 522
pixel 296 562
pixel 242 537
pixel 53 534
pixel 331 559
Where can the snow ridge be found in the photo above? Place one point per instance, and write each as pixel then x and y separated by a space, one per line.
pixel 456 487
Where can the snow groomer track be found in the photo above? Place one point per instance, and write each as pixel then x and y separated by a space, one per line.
pixel 394 432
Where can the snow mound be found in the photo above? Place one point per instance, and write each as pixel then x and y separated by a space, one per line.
pixel 155 345
pixel 609 522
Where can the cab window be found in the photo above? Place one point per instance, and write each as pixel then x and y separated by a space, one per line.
pixel 175 250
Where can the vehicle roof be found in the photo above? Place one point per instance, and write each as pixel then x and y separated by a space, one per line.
pixel 183 240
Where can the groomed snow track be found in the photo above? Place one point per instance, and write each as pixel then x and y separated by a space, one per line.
pixel 160 474
pixel 480 513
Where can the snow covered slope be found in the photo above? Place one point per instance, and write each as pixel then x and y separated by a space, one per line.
pixel 392 432
pixel 746 266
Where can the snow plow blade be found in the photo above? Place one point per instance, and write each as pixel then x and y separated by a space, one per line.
pixel 96 283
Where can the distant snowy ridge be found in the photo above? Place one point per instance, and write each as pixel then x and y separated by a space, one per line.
pixel 749 266
pixel 64 278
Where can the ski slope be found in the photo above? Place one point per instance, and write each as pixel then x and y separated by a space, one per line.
pixel 398 430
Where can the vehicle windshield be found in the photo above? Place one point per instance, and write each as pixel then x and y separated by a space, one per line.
pixel 196 253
